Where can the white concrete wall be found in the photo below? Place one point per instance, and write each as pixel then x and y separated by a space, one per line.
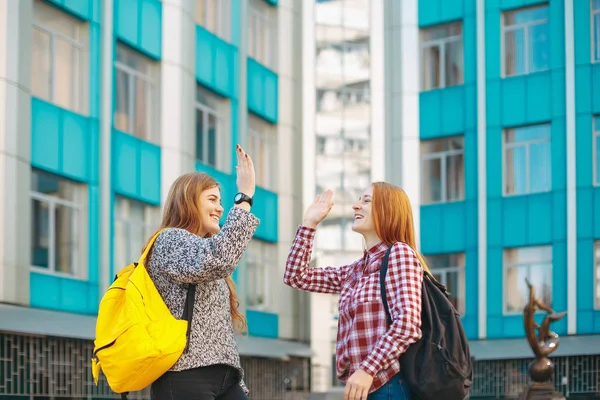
pixel 15 149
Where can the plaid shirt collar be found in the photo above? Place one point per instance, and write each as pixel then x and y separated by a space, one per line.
pixel 375 252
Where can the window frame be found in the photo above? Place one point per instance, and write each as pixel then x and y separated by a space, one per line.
pixel 527 144
pixel 262 12
pixel 268 174
pixel 80 260
pixel 206 111
pixel 262 261
pixel 79 90
pixel 153 80
pixel 222 23
pixel 505 267
pixel 595 45
pixel 129 223
pixel 523 25
pixel 461 298
pixel 443 157
pixel 442 43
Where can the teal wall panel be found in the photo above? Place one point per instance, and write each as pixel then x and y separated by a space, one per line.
pixel 511 4
pixel 136 168
pixel 62 294
pixel 82 9
pixel 271 2
pixel 138 23
pixel 216 63
pixel 262 91
pixel 60 141
pixel 433 12
pixel 262 324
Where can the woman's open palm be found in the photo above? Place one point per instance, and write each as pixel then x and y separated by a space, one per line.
pixel 318 210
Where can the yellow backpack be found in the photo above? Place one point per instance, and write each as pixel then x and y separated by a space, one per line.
pixel 137 337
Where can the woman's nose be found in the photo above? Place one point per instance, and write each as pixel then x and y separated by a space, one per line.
pixel 356 206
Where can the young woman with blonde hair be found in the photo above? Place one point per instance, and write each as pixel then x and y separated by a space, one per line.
pixel 194 250
pixel 368 350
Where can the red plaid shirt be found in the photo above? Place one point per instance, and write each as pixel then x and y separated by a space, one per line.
pixel 364 339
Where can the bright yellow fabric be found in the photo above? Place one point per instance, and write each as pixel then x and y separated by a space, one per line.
pixel 137 337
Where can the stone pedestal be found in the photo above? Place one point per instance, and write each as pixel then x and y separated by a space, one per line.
pixel 540 391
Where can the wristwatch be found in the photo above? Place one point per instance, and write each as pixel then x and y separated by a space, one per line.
pixel 241 197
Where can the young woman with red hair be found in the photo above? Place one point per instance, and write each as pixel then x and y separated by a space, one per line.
pixel 368 350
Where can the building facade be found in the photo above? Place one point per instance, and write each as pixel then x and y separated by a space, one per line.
pixel 492 118
pixel 103 104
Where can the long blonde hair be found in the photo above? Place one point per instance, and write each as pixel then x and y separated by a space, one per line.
pixel 182 210
pixel 393 217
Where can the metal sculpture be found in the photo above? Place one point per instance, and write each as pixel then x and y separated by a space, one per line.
pixel 543 344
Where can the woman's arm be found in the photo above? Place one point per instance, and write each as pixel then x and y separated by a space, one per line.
pixel 299 274
pixel 188 258
pixel 403 285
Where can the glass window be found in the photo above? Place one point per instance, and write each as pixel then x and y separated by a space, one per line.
pixel 59 58
pixel 210 125
pixel 214 16
pixel 259 256
pixel 57 224
pixel 532 263
pixel 135 223
pixel 262 33
pixel 262 146
pixel 526 41
pixel 443 170
pixel 449 270
pixel 527 167
pixel 442 56
pixel 137 97
pixel 595 25
pixel 597 275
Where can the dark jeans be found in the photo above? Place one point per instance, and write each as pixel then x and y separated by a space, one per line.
pixel 215 382
pixel 395 389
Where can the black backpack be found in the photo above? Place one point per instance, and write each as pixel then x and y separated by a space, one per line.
pixel 439 365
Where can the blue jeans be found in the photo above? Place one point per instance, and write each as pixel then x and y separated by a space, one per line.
pixel 396 389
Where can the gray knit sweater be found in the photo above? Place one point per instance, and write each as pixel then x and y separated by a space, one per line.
pixel 179 258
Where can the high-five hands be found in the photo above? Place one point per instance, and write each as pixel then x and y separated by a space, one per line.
pixel 318 210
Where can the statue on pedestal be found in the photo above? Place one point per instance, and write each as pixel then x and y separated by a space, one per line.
pixel 541 369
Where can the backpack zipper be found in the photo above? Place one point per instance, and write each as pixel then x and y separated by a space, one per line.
pixel 104 347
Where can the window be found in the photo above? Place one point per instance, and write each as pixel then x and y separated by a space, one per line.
pixel 442 56
pixel 137 98
pixel 526 44
pixel 597 275
pixel 262 147
pixel 596 30
pixel 59 58
pixel 214 16
pixel 262 32
pixel 449 270
pixel 596 149
pixel 532 263
pixel 212 127
pixel 135 222
pixel 527 166
pixel 443 170
pixel 58 234
pixel 259 256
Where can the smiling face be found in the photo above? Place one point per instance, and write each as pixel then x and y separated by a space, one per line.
pixel 363 214
pixel 210 211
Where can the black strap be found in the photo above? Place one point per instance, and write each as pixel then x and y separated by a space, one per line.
pixel 188 312
pixel 124 396
pixel 382 274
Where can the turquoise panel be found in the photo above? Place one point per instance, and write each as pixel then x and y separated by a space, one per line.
pixel 444 227
pixel 271 2
pixel 510 4
pixel 60 141
pixel 494 219
pixel 430 114
pixel 61 294
pixel 262 324
pixel 262 91
pixel 515 224
pixel 431 239
pixel 472 293
pixel 470 141
pixel 82 9
pixel 494 162
pixel 138 23
pixel 529 220
pixel 492 42
pixel 558 145
pixel 494 287
pixel 513 101
pixel 581 25
pixel 215 62
pixel 448 111
pixel 136 168
pixel 585 220
pixel 433 12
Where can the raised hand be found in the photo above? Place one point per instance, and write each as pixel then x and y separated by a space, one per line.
pixel 318 210
pixel 246 179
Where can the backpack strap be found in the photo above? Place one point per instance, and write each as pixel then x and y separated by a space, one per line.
pixel 188 312
pixel 382 274
pixel 124 396
pixel 149 246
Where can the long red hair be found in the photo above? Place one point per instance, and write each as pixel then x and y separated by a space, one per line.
pixel 182 210
pixel 393 217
